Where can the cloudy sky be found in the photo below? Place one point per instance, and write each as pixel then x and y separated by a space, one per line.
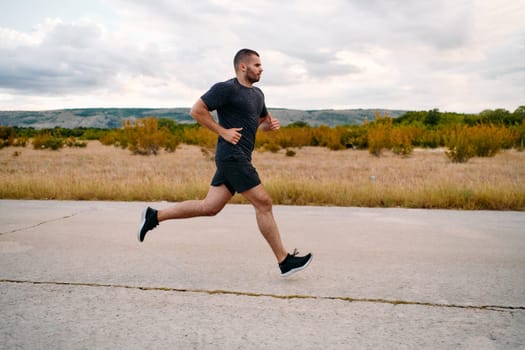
pixel 455 55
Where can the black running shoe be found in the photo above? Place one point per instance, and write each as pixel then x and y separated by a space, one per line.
pixel 149 222
pixel 293 263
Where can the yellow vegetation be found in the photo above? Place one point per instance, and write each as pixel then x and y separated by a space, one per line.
pixel 314 176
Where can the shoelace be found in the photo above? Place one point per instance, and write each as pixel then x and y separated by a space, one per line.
pixel 295 252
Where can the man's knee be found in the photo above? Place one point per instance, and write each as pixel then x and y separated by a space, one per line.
pixel 264 203
pixel 209 210
pixel 215 200
pixel 259 198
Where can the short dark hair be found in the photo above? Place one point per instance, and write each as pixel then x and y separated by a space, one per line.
pixel 242 55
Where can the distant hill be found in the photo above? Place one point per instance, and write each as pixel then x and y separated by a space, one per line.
pixel 112 117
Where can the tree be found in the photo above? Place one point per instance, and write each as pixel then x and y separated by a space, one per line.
pixel 298 124
pixel 519 115
pixel 433 117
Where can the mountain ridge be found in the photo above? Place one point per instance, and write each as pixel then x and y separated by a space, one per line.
pixel 112 117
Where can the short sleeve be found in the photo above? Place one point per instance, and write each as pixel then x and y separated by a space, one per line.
pixel 264 112
pixel 217 96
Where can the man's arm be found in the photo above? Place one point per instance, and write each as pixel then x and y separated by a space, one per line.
pixel 200 113
pixel 269 123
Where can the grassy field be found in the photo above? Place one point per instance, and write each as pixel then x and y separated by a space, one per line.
pixel 314 176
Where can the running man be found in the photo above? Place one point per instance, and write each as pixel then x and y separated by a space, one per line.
pixel 241 112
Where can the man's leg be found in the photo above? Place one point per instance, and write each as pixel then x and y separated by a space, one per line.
pixel 262 203
pixel 216 199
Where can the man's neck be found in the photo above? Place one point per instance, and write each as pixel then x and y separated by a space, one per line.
pixel 244 82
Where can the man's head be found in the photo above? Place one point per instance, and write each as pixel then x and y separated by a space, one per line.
pixel 247 66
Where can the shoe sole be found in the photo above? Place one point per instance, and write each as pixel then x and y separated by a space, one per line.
pixel 142 223
pixel 297 269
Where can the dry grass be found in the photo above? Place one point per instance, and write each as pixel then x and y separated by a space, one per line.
pixel 315 176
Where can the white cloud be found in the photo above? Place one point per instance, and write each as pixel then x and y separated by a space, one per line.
pixel 67 57
pixel 454 55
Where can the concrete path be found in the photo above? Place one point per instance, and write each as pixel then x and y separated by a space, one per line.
pixel 74 276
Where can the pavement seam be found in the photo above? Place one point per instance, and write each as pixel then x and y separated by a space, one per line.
pixel 498 308
pixel 43 223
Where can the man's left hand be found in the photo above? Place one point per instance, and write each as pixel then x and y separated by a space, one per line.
pixel 270 123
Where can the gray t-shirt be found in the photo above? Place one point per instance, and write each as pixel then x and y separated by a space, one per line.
pixel 237 106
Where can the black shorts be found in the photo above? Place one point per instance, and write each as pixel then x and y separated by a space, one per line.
pixel 237 176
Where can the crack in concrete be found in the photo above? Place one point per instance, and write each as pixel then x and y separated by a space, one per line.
pixel 42 223
pixel 499 308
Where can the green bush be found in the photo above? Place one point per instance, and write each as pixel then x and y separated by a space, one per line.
pixel 519 135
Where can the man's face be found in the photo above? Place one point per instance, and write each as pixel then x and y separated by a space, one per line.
pixel 253 69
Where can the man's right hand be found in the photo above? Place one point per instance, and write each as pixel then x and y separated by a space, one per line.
pixel 232 135
pixel 201 114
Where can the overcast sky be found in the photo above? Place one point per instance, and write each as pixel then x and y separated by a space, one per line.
pixel 455 55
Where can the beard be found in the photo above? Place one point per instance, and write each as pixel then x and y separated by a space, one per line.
pixel 252 77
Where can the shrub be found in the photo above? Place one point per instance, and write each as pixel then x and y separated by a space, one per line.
pixel 488 139
pixel 482 140
pixel 354 137
pixel 200 136
pixel 286 137
pixel 72 142
pixel 109 138
pixel 20 141
pixel 94 134
pixel 47 141
pixel 144 136
pixel 460 149
pixel 378 135
pixel 429 138
pixel 519 136
pixel 8 137
pixel 272 147
pixel 325 136
pixel 401 141
pixel 290 153
pixel 172 142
